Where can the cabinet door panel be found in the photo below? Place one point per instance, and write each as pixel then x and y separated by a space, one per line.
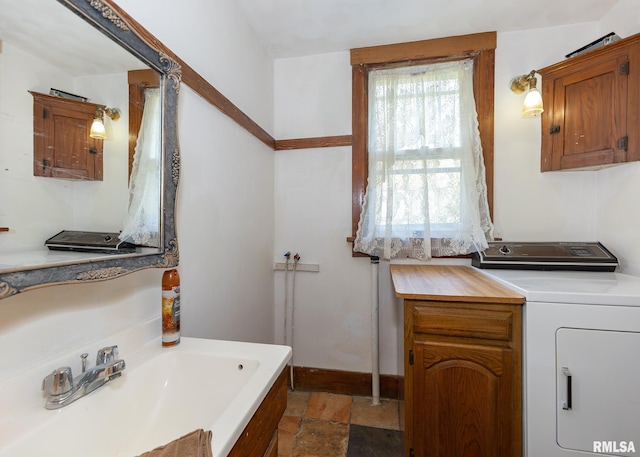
pixel 70 157
pixel 463 400
pixel 590 108
pixel 587 126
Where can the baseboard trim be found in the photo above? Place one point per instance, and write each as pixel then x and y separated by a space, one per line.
pixel 344 382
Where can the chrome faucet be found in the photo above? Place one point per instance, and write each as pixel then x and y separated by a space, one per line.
pixel 63 388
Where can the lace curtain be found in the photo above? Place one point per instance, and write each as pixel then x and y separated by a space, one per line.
pixel 142 223
pixel 426 192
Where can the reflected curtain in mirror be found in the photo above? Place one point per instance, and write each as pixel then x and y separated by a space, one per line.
pixel 141 226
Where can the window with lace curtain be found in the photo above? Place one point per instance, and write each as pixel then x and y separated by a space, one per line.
pixel 427 193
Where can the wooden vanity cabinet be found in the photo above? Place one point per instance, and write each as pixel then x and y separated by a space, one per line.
pixel 62 147
pixel 462 363
pixel 260 436
pixel 592 108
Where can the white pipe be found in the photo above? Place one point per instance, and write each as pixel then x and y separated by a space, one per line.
pixel 296 258
pixel 286 292
pixel 375 339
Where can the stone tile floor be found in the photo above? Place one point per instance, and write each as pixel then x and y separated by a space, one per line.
pixel 318 424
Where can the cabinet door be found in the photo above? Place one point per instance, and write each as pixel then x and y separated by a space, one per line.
pixel 587 122
pixel 62 147
pixel 463 402
pixel 73 154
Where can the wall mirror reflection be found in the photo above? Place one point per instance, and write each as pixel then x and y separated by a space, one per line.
pixel 57 64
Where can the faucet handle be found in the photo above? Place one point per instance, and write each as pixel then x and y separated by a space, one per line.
pixel 107 355
pixel 59 382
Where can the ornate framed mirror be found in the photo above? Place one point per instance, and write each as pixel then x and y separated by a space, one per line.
pixel 33 208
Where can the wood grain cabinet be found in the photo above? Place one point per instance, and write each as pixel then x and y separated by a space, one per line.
pixel 62 147
pixel 592 108
pixel 260 437
pixel 462 363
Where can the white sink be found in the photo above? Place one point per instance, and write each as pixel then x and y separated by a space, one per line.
pixel 163 393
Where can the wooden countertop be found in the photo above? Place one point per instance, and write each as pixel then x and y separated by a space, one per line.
pixel 449 283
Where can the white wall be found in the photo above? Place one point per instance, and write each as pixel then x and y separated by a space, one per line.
pixel 617 188
pixel 214 39
pixel 224 212
pixel 225 205
pixel 529 205
pixel 313 197
pixel 225 227
pixel 332 327
pixel 623 19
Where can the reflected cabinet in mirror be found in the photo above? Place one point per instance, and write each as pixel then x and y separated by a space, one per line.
pixel 89 158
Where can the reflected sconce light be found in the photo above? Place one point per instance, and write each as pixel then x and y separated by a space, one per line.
pixel 532 105
pixel 97 127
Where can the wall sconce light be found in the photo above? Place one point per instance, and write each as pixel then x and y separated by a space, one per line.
pixel 532 105
pixel 97 127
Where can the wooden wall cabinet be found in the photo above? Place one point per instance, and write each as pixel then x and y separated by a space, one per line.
pixel 592 108
pixel 62 147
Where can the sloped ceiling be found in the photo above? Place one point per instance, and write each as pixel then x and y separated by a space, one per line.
pixel 306 27
pixel 48 30
pixel 295 27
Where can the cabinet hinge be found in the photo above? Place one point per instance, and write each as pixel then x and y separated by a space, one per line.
pixel 623 143
pixel 410 356
pixel 554 129
pixel 624 68
pixel 411 453
pixel 45 113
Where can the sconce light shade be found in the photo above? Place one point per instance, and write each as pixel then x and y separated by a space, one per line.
pixel 97 130
pixel 532 105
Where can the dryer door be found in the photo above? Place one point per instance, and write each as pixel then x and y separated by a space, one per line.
pixel 597 390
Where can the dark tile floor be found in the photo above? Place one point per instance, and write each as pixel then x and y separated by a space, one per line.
pixel 318 424
pixel 373 442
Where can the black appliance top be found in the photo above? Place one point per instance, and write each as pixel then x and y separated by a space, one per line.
pixel 579 256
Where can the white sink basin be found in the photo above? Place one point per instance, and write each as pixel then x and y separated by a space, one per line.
pixel 164 393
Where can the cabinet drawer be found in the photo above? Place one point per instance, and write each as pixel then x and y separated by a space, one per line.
pixel 463 322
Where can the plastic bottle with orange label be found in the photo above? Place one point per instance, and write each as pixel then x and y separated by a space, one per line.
pixel 170 308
